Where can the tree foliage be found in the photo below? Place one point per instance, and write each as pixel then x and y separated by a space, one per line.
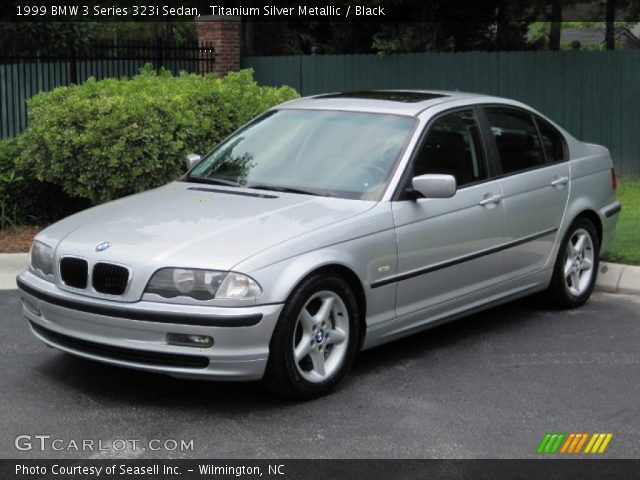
pixel 26 200
pixel 109 138
pixel 458 25
pixel 30 38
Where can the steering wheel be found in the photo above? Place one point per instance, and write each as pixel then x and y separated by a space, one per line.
pixel 375 168
pixel 373 175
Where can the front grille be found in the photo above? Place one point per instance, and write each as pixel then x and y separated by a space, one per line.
pixel 74 271
pixel 109 278
pixel 120 353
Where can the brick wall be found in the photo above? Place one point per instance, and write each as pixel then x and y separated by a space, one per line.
pixel 224 33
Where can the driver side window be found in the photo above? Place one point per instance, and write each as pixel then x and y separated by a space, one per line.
pixel 453 146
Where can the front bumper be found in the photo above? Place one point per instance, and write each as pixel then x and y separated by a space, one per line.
pixel 135 334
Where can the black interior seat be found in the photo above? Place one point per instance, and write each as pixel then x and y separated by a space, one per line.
pixel 447 153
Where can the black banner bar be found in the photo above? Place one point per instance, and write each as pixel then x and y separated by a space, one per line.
pixel 306 10
pixel 547 469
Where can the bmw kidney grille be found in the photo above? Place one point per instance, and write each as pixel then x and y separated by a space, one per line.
pixel 107 278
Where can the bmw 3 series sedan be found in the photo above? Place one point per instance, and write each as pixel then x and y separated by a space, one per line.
pixel 328 225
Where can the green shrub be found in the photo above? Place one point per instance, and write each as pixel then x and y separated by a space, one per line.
pixel 26 200
pixel 106 139
pixel 9 179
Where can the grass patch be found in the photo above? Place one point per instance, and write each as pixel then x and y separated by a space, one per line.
pixel 625 247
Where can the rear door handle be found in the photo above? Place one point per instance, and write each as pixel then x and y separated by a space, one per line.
pixel 560 182
pixel 490 200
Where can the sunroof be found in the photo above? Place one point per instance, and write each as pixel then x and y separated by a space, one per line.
pixel 389 95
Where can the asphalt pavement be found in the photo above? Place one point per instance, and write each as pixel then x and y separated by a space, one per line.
pixel 490 385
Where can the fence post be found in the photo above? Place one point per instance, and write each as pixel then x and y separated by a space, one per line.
pixel 223 33
pixel 159 52
pixel 301 80
pixel 73 65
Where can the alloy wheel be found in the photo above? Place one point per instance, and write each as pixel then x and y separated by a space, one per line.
pixel 321 336
pixel 579 262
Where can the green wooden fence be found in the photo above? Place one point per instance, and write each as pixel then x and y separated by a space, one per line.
pixel 20 81
pixel 24 75
pixel 594 95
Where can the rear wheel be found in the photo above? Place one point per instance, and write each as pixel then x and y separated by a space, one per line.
pixel 315 340
pixel 576 267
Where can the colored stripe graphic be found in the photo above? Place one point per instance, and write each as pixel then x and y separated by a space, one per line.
pixel 581 443
pixel 605 443
pixel 544 442
pixel 591 442
pixel 556 445
pixel 567 442
pixel 576 440
pixel 572 443
pixel 551 442
pixel 598 443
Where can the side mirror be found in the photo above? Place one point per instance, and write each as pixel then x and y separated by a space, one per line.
pixel 435 185
pixel 192 160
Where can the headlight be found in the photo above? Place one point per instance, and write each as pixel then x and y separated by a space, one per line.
pixel 202 284
pixel 42 260
pixel 236 285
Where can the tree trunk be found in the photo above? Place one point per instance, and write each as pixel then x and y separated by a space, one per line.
pixel 556 25
pixel 609 38
pixel 248 38
pixel 500 19
pixel 168 33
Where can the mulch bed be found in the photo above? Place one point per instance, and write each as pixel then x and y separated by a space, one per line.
pixel 17 239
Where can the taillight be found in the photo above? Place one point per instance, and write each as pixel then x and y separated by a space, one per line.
pixel 614 179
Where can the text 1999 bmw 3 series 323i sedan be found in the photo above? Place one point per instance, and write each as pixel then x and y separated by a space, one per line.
pixel 328 225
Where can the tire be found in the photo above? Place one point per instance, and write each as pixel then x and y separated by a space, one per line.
pixel 315 340
pixel 575 272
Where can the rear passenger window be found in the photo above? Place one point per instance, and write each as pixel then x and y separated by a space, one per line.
pixel 516 138
pixel 551 141
pixel 453 147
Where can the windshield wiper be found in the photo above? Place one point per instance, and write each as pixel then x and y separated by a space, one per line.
pixel 274 188
pixel 259 186
pixel 212 181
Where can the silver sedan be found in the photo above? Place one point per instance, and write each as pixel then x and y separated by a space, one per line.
pixel 328 225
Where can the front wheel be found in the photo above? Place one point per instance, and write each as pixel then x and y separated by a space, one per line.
pixel 315 340
pixel 576 267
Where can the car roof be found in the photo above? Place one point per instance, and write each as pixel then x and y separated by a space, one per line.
pixel 400 102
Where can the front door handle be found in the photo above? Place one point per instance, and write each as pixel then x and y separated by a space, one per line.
pixel 560 181
pixel 491 200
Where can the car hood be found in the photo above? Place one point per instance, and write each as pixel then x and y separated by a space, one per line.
pixel 194 225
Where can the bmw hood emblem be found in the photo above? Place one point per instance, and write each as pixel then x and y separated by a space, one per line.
pixel 101 247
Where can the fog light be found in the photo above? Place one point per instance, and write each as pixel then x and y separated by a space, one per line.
pixel 183 340
pixel 31 307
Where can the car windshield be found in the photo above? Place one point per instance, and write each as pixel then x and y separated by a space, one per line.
pixel 317 152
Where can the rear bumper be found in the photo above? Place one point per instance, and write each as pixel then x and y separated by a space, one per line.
pixel 609 217
pixel 135 335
